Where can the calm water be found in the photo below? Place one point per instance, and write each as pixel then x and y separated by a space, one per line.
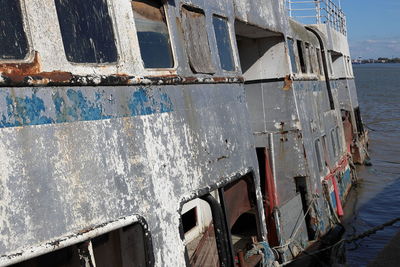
pixel 377 198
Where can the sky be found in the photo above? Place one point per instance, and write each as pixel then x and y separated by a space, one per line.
pixel 373 27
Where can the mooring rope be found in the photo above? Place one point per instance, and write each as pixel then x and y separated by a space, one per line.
pixel 349 240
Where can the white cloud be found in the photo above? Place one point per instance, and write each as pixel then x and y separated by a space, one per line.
pixel 374 48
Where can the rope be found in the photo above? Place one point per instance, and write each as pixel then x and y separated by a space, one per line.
pixel 291 239
pixel 373 230
pixel 350 240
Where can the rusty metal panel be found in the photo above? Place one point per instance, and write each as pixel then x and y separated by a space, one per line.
pixel 196 39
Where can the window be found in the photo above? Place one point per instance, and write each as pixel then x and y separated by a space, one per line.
pixel 122 247
pixel 292 55
pixel 319 58
pixel 196 39
pixel 310 58
pixel 152 32
pixel 330 63
pixel 334 143
pixel 14 44
pixel 87 31
pixel 223 43
pixel 317 145
pixel 338 140
pixel 301 56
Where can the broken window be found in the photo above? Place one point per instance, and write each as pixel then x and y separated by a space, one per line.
pixel 14 44
pixel 223 43
pixel 124 247
pixel 152 32
pixel 196 39
pixel 87 31
pixel 301 56
pixel 292 55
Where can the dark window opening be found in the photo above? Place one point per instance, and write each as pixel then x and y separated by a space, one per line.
pixel 325 149
pixel 310 58
pixel 223 43
pixel 189 220
pixel 242 216
pixel 338 140
pixel 301 56
pixel 14 44
pixel 317 145
pixel 196 40
pixel 153 34
pixel 301 188
pixel 359 123
pixel 87 31
pixel 334 144
pixel 66 257
pixel 292 55
pixel 122 247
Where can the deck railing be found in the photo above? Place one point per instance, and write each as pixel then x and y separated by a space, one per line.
pixel 318 11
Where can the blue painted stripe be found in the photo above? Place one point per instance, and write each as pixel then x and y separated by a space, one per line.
pixel 47 106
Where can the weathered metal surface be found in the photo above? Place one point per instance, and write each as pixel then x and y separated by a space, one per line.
pixel 98 154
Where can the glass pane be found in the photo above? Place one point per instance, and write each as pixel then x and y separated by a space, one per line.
pixel 87 31
pixel 292 55
pixel 196 39
pixel 152 31
pixel 13 42
pixel 223 43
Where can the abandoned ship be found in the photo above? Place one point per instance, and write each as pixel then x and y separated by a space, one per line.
pixel 173 132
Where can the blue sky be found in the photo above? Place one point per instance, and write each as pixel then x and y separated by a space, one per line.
pixel 373 27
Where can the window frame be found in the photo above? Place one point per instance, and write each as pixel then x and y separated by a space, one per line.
pixel 29 57
pixel 171 39
pixel 292 52
pixel 78 240
pixel 111 13
pixel 233 54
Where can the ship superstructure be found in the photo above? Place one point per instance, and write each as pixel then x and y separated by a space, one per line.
pixel 172 133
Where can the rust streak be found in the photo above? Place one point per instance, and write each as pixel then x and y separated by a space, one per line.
pixel 288 83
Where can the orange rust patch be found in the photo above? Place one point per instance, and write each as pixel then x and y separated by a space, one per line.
pixel 17 72
pixel 288 83
pixel 21 69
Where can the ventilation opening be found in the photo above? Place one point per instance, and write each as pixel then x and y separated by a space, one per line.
pixel 303 66
pixel 189 220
